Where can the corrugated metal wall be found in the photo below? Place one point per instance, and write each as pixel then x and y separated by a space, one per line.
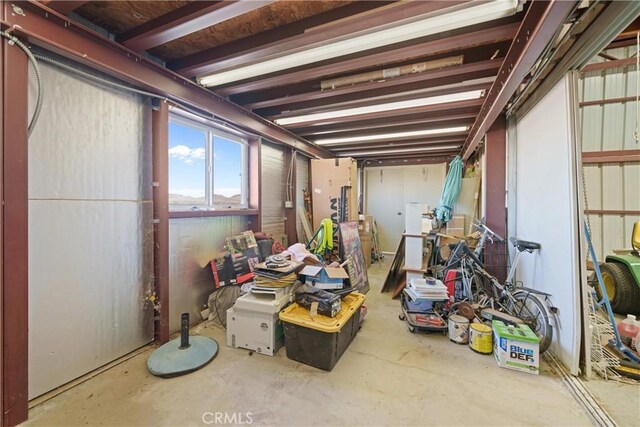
pixel 302 183
pixel 272 187
pixel 193 242
pixel 609 127
pixel 90 229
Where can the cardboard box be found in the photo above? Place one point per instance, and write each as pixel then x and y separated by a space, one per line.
pixel 328 176
pixel 324 277
pixel 516 347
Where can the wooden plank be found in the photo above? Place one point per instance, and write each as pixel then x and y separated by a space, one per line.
pixel 305 223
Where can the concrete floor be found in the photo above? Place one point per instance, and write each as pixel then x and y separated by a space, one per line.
pixel 387 376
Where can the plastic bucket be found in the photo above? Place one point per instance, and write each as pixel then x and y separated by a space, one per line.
pixel 481 338
pixel 458 329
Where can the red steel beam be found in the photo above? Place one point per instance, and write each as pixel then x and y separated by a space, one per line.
pixel 494 188
pixel 398 97
pixel 440 77
pixel 614 156
pixel 607 101
pixel 396 12
pixel 186 20
pixel 412 150
pixel 611 212
pixel 62 6
pixel 459 140
pixel 45 28
pixel 389 55
pixel 2 346
pixel 607 65
pixel 536 31
pixel 192 65
pixel 15 253
pixel 449 106
pixel 412 160
pixel 395 130
pixel 160 148
pixel 380 125
pixel 402 156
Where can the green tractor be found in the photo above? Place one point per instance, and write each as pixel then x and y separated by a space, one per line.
pixel 621 275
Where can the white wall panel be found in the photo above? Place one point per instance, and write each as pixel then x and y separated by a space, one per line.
pixel 90 229
pixel 272 187
pixel 546 212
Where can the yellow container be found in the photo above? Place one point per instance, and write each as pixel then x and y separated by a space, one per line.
pixel 480 338
pixel 300 316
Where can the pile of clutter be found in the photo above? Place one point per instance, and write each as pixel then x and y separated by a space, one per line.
pixel 286 299
pixel 428 304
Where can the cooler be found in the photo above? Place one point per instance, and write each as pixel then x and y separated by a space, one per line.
pixel 253 323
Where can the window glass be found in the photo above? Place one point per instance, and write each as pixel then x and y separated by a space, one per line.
pixel 228 170
pixel 187 165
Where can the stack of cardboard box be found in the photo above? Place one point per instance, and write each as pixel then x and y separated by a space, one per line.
pixel 328 176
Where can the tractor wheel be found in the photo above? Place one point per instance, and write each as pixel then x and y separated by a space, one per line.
pixel 622 289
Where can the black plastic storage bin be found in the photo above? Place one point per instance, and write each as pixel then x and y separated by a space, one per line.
pixel 319 342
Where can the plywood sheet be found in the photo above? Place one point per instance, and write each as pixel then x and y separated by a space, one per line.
pixel 120 16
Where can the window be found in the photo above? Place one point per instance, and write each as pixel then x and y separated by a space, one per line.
pixel 207 167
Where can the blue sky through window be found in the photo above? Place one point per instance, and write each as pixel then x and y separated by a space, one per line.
pixel 188 167
pixel 227 167
pixel 187 164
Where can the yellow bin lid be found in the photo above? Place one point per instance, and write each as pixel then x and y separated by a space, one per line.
pixel 299 315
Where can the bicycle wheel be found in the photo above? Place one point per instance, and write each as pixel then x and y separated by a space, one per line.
pixel 534 313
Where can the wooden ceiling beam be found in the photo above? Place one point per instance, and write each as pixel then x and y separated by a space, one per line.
pixel 538 28
pixel 188 19
pixel 406 96
pixel 63 7
pixel 389 55
pixel 196 63
pixel 444 76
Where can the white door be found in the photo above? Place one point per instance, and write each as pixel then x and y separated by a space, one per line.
pixel 388 191
pixel 386 203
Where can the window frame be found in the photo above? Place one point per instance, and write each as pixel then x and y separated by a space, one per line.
pixel 186 210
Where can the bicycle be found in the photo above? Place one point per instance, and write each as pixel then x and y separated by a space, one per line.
pixel 528 305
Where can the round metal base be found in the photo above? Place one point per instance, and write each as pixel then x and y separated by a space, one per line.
pixel 170 360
